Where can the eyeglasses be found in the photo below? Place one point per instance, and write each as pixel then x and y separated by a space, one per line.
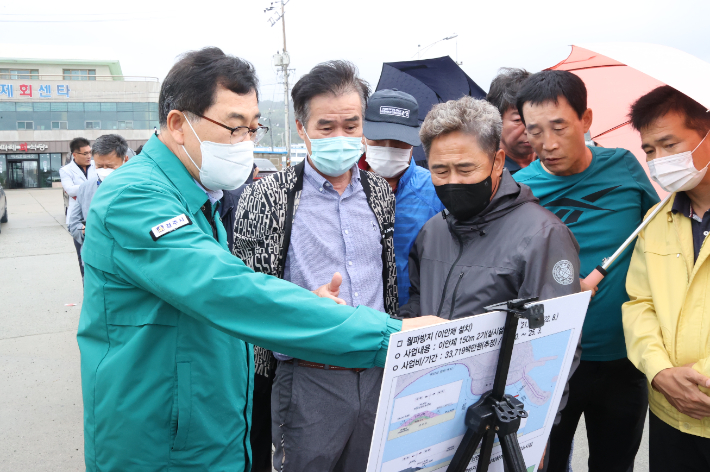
pixel 84 154
pixel 240 133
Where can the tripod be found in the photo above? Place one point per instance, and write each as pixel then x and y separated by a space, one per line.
pixel 496 413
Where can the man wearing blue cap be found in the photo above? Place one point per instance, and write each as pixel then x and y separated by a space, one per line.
pixel 391 127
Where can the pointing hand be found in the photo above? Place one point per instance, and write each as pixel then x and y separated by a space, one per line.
pixel 331 290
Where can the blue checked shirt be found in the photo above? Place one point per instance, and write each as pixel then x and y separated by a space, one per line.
pixel 336 233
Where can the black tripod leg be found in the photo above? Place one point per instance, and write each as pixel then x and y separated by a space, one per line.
pixel 484 459
pixel 512 455
pixel 465 451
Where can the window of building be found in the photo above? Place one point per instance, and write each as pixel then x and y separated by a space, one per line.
pixel 45 171
pixel 25 125
pixel 79 74
pixel 14 74
pixel 56 163
pixel 50 115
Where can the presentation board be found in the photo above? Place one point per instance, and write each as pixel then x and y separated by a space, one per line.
pixel 433 374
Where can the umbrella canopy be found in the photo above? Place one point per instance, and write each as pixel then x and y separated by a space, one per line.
pixel 430 81
pixel 617 74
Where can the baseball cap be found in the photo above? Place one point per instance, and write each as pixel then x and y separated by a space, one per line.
pixel 392 114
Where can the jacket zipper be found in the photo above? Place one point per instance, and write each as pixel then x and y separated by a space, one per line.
pixel 210 219
pixel 247 431
pixel 443 294
pixel 453 296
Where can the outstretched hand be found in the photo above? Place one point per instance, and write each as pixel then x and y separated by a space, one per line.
pixel 332 289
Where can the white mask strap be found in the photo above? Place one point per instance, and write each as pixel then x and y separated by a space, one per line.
pixel 701 141
pixel 193 130
pixel 190 157
pixel 198 138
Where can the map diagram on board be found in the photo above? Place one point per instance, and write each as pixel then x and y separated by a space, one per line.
pixel 434 374
pixel 427 401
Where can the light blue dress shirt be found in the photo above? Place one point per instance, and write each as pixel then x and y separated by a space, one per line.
pixel 336 233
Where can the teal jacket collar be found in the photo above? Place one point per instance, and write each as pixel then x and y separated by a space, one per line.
pixel 176 172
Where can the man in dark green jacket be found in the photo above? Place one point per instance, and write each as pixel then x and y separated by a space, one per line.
pixel 169 313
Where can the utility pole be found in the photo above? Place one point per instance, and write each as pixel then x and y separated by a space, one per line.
pixel 282 60
pixel 285 72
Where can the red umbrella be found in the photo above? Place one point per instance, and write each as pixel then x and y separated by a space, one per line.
pixel 616 75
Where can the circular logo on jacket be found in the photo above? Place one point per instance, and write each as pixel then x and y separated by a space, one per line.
pixel 563 272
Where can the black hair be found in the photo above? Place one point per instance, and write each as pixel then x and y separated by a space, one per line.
pixel 332 77
pixel 140 148
pixel 110 143
pixel 192 82
pixel 548 86
pixel 505 87
pixel 78 143
pixel 665 99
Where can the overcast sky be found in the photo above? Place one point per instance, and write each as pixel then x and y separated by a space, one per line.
pixel 146 38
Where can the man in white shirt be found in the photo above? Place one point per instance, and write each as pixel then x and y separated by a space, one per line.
pixel 78 171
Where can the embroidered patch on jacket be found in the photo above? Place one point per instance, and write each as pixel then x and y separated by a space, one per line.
pixel 563 272
pixel 169 226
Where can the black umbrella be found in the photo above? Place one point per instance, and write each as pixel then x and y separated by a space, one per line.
pixel 430 81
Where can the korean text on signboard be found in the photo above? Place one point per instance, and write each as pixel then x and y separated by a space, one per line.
pixel 25 90
pixel 23 147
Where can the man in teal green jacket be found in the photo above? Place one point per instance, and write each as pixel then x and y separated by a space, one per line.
pixel 169 313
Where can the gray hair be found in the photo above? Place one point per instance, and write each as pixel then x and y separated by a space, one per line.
pixel 110 143
pixel 332 77
pixel 477 118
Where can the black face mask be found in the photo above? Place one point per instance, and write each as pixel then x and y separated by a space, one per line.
pixel 465 201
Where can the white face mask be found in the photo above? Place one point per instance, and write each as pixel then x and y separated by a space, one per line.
pixel 388 161
pixel 224 166
pixel 103 173
pixel 676 173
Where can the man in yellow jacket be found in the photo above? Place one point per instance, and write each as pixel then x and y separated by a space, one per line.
pixel 667 320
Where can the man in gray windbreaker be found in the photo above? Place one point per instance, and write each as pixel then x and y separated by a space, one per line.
pixel 493 242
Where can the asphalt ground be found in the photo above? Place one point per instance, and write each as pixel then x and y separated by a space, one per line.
pixel 40 301
pixel 40 386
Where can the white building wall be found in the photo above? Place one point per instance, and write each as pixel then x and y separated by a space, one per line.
pixel 55 69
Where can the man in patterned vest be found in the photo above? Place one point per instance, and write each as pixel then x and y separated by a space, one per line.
pixel 322 220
